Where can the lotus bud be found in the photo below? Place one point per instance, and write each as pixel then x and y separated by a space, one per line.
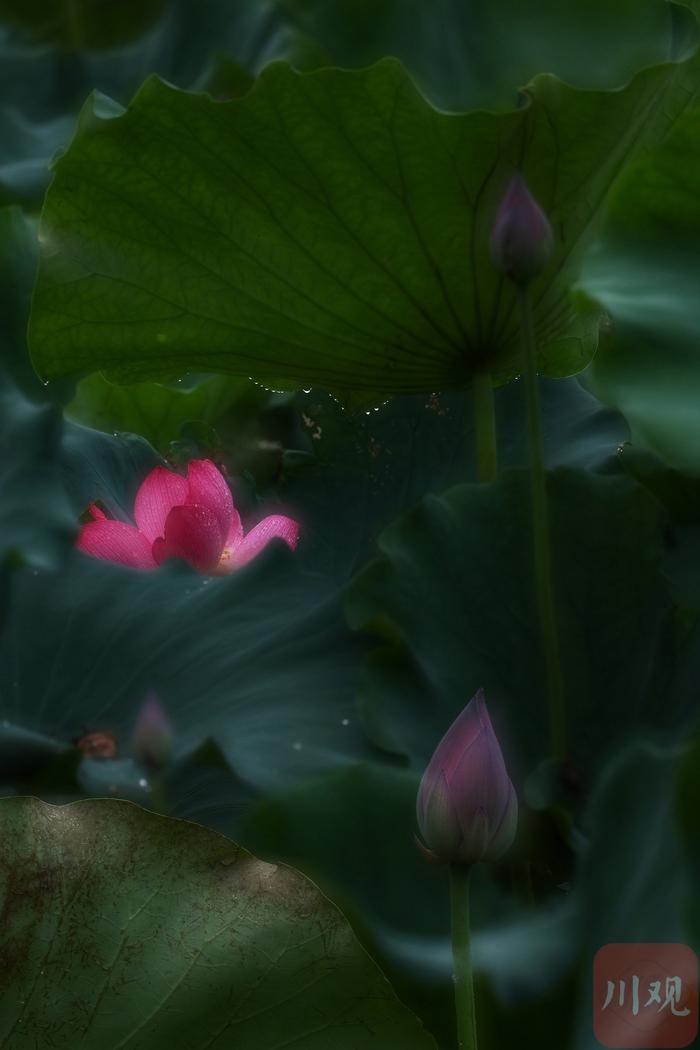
pixel 152 738
pixel 467 809
pixel 521 239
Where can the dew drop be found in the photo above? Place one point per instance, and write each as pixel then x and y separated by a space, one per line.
pixel 143 783
pixel 297 745
pixel 345 722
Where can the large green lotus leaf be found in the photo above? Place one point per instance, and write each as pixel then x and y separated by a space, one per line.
pixel 465 54
pixel 260 662
pixel 126 929
pixel 353 473
pixel 646 273
pixel 155 411
pixel 452 595
pixel 327 229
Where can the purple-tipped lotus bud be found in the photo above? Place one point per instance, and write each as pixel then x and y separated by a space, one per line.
pixel 467 808
pixel 152 738
pixel 521 239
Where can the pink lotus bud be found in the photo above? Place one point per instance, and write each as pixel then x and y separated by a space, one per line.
pixel 467 808
pixel 521 239
pixel 152 739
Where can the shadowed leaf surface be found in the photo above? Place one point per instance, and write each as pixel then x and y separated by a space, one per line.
pixel 126 929
pixel 359 471
pixel 260 661
pixel 452 597
pixel 158 411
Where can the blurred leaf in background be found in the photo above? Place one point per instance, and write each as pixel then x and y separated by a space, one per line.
pixel 646 273
pixel 36 524
pixel 466 54
pixel 77 24
pixel 53 56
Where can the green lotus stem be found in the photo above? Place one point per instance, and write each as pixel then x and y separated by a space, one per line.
pixel 461 955
pixel 75 26
pixel 541 536
pixel 485 427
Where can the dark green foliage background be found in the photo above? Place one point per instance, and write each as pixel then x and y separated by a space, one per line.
pixel 307 691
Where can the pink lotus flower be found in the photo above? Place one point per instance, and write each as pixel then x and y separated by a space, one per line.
pixel 521 240
pixel 467 809
pixel 192 518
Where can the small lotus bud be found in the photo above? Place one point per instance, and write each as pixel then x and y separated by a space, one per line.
pixel 521 239
pixel 152 738
pixel 467 809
